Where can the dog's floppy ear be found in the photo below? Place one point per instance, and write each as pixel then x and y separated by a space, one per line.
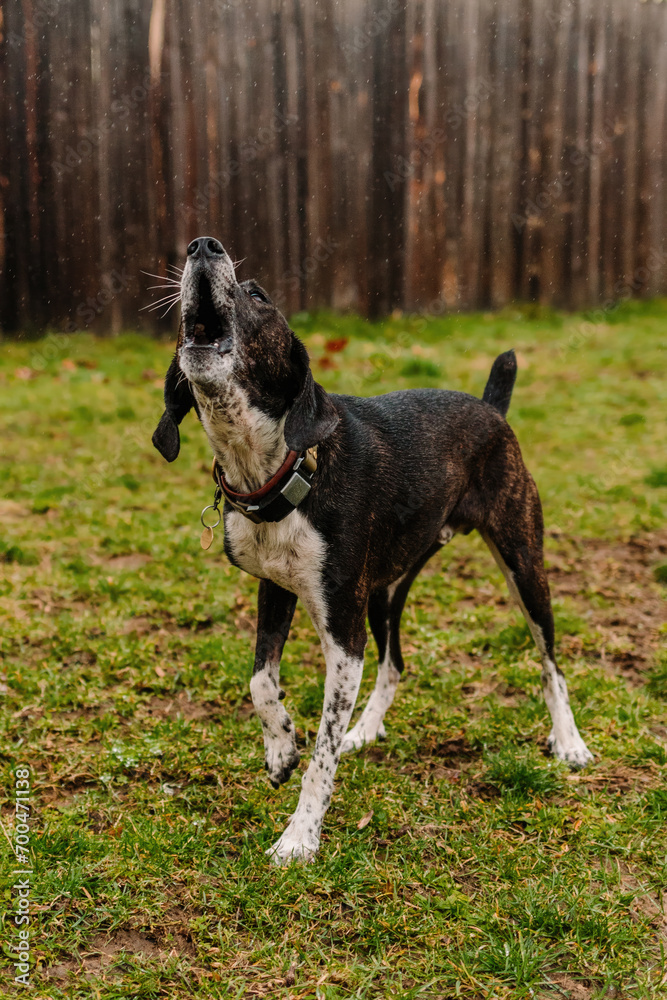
pixel 312 416
pixel 178 401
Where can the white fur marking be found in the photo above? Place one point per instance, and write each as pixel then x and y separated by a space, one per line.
pixel 249 445
pixel 370 724
pixel 446 534
pixel 289 552
pixel 564 740
pixel 280 751
pixel 301 839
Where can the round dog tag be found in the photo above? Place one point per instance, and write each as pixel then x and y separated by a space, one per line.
pixel 206 537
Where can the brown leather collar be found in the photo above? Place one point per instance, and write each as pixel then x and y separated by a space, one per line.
pixel 219 480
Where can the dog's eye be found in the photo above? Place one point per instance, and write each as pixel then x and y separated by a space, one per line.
pixel 255 294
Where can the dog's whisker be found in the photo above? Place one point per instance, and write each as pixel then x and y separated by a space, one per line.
pixel 169 287
pixel 236 263
pixel 162 277
pixel 172 300
pixel 172 267
pixel 173 293
pixel 168 308
pixel 160 303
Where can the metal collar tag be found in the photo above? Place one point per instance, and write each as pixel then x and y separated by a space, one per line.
pixel 283 498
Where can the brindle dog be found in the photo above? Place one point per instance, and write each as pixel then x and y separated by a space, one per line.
pixel 397 477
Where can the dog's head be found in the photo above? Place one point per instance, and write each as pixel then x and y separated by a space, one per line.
pixel 233 335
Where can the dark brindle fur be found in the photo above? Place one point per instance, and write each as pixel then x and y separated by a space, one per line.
pixel 397 476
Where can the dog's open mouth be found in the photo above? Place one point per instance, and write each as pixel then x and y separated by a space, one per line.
pixel 206 328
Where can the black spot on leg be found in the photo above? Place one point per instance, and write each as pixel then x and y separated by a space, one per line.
pixel 286 770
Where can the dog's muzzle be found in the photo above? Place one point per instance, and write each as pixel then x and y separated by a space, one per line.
pixel 206 314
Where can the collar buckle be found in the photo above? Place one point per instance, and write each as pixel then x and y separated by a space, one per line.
pixel 282 494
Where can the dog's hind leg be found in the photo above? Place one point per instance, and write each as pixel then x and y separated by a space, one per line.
pixel 275 608
pixel 517 548
pixel 385 608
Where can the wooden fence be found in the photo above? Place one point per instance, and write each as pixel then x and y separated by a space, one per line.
pixel 435 154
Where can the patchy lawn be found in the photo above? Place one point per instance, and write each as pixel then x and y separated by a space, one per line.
pixel 457 859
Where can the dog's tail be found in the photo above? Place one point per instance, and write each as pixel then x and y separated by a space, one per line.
pixel 498 391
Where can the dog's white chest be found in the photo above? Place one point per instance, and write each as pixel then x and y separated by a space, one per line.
pixel 290 552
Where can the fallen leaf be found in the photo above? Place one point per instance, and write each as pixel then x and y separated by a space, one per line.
pixel 335 345
pixel 365 820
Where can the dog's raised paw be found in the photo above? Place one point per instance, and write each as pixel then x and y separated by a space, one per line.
pixel 575 753
pixel 281 768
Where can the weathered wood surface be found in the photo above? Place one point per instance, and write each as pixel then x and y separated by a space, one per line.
pixel 372 155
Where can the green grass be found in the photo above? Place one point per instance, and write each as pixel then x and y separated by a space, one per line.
pixel 483 868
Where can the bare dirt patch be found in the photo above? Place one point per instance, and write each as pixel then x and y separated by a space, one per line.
pixel 566 986
pixel 613 585
pixel 131 561
pixel 105 950
pixel 619 778
pixel 162 708
pixel 443 760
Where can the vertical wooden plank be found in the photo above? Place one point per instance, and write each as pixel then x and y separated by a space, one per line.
pixel 479 102
pixel 522 229
pixel 612 170
pixel 160 245
pixel 656 119
pixel 16 298
pixel 434 230
pixel 505 98
pixel 386 217
pixel 451 95
pixel 580 157
pixel 556 172
pixel 596 70
pixel 470 243
pixel 416 163
pixel 629 67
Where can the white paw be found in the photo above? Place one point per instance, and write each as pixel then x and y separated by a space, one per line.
pixel 359 736
pixel 294 845
pixel 280 761
pixel 575 752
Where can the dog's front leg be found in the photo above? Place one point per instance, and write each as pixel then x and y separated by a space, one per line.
pixel 275 608
pixel 344 664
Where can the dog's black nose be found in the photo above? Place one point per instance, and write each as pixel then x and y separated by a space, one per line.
pixel 206 246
